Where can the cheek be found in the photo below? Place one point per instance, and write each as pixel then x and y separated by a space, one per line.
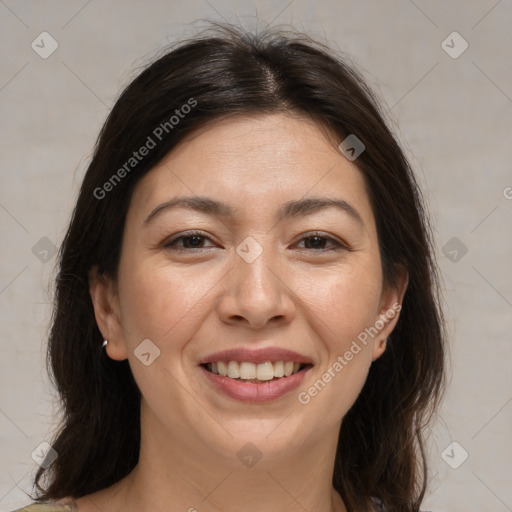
pixel 346 303
pixel 336 386
pixel 346 300
pixel 159 302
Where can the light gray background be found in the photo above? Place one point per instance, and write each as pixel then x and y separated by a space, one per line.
pixel 453 116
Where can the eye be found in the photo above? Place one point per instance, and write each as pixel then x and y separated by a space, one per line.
pixel 191 240
pixel 317 241
pixel 194 240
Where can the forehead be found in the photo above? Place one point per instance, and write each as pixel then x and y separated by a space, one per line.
pixel 255 161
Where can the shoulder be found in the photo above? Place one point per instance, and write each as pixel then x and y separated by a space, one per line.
pixel 56 506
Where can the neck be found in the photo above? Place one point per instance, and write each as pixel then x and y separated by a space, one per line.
pixel 181 474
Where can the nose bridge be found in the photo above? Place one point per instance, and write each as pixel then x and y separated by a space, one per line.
pixel 255 269
pixel 255 290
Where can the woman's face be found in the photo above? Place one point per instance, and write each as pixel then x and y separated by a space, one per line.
pixel 262 265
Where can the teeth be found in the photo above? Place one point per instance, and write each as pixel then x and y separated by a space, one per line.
pixel 223 370
pixel 279 369
pixel 265 371
pixel 233 370
pixel 247 371
pixel 252 371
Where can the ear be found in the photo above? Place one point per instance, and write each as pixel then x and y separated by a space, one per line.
pixel 106 310
pixel 389 310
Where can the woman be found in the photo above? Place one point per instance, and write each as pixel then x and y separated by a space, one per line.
pixel 247 308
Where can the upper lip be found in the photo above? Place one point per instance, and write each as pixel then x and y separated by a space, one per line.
pixel 256 356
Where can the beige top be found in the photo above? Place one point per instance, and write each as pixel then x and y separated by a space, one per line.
pixel 68 505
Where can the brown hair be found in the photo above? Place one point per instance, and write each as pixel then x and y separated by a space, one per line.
pixel 226 73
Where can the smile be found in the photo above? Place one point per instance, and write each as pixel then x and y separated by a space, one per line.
pixel 254 382
pixel 252 372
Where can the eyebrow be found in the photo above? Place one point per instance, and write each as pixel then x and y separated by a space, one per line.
pixel 296 208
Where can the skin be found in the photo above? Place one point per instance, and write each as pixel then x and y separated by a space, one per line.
pixel 197 301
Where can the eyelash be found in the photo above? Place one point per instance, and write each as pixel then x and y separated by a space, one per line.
pixel 170 244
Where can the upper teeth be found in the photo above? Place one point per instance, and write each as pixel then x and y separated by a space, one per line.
pixel 263 371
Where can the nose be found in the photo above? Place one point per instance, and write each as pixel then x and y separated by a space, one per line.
pixel 256 294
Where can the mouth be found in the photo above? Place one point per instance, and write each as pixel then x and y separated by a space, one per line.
pixel 255 373
pixel 262 379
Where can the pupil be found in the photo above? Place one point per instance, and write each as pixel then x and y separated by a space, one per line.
pixel 318 239
pixel 197 239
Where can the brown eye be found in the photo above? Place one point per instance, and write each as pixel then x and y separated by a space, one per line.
pixel 317 241
pixel 190 241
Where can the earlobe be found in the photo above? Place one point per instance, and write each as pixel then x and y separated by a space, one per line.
pixel 104 300
pixel 380 349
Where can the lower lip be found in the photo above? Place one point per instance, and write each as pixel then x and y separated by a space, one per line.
pixel 252 392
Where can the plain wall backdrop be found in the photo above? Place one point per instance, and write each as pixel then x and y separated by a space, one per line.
pixel 450 106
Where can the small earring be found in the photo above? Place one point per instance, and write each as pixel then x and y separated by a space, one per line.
pixel 104 343
pixel 384 341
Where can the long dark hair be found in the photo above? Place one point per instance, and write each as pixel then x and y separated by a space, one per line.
pixel 220 74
